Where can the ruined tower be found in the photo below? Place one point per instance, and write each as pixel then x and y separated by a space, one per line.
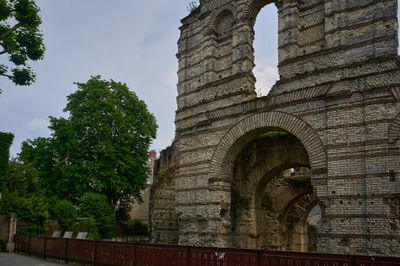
pixel 334 112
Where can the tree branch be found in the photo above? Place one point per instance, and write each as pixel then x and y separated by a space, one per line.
pixel 5 75
pixel 4 35
pixel 12 48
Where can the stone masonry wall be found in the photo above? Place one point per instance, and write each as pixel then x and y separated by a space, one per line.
pixel 338 94
pixel 163 223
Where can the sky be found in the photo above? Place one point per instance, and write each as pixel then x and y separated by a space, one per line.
pixel 133 42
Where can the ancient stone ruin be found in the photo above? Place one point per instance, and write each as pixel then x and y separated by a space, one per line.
pixel 246 171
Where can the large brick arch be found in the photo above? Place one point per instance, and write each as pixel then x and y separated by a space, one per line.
pixel 253 7
pixel 240 134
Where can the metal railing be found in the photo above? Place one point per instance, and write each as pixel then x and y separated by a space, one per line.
pixel 137 254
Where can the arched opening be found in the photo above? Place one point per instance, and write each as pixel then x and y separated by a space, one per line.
pixel 224 24
pixel 313 219
pixel 266 49
pixel 271 194
pixel 247 160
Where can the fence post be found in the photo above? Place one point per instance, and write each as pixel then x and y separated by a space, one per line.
pixel 259 258
pixel 188 262
pixel 95 253
pixel 16 244
pixel 66 250
pixel 135 256
pixel 29 246
pixel 353 260
pixel 44 247
pixel 12 230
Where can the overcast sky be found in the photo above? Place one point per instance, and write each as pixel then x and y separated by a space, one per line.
pixel 133 42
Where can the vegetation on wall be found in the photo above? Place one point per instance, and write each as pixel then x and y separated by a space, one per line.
pixel 193 5
pixel 166 174
pixel 274 135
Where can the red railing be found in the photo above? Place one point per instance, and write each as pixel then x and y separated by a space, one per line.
pixel 135 254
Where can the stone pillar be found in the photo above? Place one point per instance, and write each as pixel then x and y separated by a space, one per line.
pixel 11 232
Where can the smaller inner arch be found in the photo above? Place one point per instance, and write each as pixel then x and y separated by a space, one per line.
pixel 271 193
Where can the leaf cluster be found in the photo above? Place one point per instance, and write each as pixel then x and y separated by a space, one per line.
pixel 20 39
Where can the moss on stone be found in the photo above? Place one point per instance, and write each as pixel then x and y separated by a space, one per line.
pixel 165 174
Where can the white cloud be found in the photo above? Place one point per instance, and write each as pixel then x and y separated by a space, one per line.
pixel 170 81
pixel 266 72
pixel 38 125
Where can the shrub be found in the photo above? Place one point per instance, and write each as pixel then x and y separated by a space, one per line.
pixel 137 228
pixel 32 209
pixel 64 212
pixel 122 214
pixel 102 218
pixel 22 195
pixel 3 246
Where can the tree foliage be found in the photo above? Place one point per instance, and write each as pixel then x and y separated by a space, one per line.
pixel 20 39
pixel 64 212
pixel 22 194
pixel 95 207
pixel 5 143
pixel 102 146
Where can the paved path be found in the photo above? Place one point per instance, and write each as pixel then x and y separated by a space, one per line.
pixel 12 259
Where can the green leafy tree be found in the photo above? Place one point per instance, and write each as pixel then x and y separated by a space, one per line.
pixel 20 39
pixel 5 143
pixel 95 207
pixel 102 147
pixel 23 195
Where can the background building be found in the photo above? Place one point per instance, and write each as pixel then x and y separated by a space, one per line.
pixel 140 211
